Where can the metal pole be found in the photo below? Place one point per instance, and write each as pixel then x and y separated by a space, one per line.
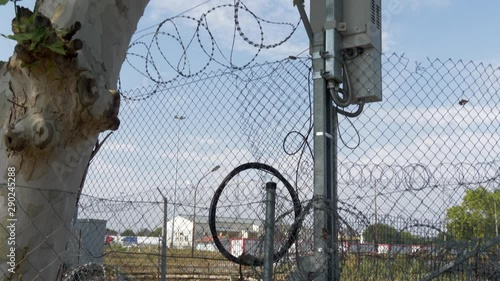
pixel 305 20
pixel 496 217
pixel 180 118
pixel 327 68
pixel 322 138
pixel 164 242
pixel 444 214
pixel 333 230
pixel 194 207
pixel 269 231
pixel 376 220
pixel 194 219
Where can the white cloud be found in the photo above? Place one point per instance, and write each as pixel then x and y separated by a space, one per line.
pixel 454 116
pixel 435 143
pixel 160 9
pixel 221 24
pixel 388 42
pixel 120 147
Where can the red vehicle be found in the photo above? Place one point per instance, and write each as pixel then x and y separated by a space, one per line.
pixel 108 240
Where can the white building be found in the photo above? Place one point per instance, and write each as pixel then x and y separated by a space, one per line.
pixel 227 227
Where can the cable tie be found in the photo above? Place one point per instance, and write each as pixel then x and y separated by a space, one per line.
pixel 324 134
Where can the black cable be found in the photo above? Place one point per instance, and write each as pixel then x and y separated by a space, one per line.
pixel 343 101
pixel 294 229
pixel 340 133
pixel 356 113
pixel 305 142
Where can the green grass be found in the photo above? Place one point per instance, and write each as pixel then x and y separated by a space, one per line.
pixel 143 264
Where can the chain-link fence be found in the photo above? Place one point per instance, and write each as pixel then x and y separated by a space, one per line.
pixel 418 176
pixel 182 191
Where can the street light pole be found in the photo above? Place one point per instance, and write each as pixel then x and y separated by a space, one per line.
pixel 180 118
pixel 194 208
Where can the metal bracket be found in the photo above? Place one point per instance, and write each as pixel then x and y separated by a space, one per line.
pixel 330 25
pixel 317 75
pixel 340 26
pixel 326 55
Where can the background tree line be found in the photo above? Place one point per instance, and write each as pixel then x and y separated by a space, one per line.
pixel 476 217
pixel 142 232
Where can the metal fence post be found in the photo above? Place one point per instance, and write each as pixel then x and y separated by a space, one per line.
pixel 332 195
pixel 164 242
pixel 269 231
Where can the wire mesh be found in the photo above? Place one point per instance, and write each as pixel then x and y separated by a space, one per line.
pixel 418 173
pixel 403 166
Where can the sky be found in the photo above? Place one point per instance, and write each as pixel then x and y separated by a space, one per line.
pixel 457 29
pixel 443 29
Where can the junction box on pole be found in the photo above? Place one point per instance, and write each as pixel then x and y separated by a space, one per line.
pixel 362 45
pixel 356 61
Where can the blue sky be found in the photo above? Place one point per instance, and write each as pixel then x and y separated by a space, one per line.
pixel 454 29
pixel 457 29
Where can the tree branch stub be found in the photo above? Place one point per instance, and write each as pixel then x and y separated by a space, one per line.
pixel 52 94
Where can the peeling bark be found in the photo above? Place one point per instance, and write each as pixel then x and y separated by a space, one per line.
pixel 52 108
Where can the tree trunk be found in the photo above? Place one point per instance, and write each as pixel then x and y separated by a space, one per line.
pixel 53 105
